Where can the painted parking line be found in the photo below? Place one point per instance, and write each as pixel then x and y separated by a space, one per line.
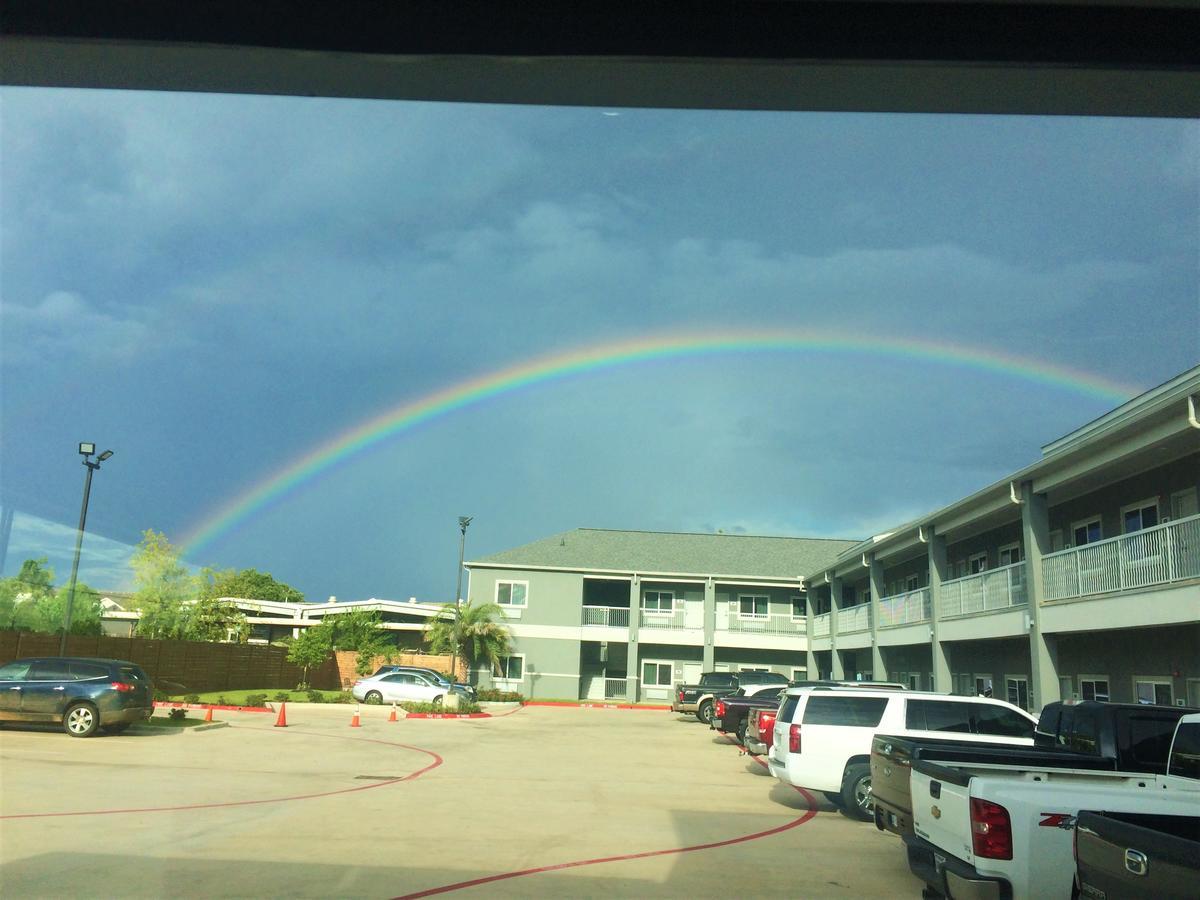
pixel 437 761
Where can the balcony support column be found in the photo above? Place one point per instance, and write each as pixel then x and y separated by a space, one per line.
pixel 1043 648
pixel 938 569
pixel 878 669
pixel 837 670
pixel 633 668
pixel 710 623
pixel 812 672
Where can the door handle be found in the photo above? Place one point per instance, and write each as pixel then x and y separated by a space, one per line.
pixel 60 688
pixel 14 689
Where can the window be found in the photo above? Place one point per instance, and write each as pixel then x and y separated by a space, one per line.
pixel 1000 721
pixel 83 670
pixel 1140 515
pixel 1017 691
pixel 1086 531
pixel 1153 690
pixel 978 563
pixel 50 670
pixel 1094 687
pixel 14 671
pixel 658 602
pixel 912 582
pixel 511 593
pixel 913 680
pixel 753 607
pixel 510 668
pixel 1150 739
pixel 799 674
pixel 1010 554
pixel 656 674
pixel 1185 760
pixel 938 715
pixel 983 685
pixel 743 669
pixel 798 609
pixel 861 712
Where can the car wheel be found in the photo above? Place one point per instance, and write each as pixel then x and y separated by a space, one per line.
pixel 374 698
pixel 81 720
pixel 705 712
pixel 437 701
pixel 856 793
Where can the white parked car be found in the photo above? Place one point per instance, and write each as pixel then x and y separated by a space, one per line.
pixel 397 687
pixel 822 737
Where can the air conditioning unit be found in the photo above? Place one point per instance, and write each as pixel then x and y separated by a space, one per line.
pixel 604 651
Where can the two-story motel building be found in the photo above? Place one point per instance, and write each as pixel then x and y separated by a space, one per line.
pixel 1078 575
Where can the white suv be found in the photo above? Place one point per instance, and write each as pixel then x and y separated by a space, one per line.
pixel 822 737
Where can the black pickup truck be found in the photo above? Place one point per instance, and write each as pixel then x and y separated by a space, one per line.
pixel 731 713
pixel 701 698
pixel 1123 737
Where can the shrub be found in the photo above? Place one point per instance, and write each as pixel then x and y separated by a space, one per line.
pixel 302 686
pixel 192 698
pixel 464 706
pixel 221 701
pixel 281 696
pixel 495 696
pixel 316 697
pixel 177 713
pixel 161 695
pixel 343 697
pixel 256 699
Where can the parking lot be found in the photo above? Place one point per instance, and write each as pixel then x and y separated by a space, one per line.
pixel 553 802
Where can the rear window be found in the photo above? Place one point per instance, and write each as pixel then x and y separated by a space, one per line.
pixel 1085 735
pixel 1150 739
pixel 861 712
pixel 84 670
pixel 1000 721
pixel 1185 755
pixel 717 678
pixel 938 715
pixel 131 673
pixel 788 708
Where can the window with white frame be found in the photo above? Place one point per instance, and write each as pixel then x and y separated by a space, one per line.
pixel 656 673
pixel 1136 516
pixel 510 668
pixel 912 582
pixel 799 674
pixel 983 685
pixel 1086 531
pixel 754 668
pixel 1016 688
pixel 658 602
pixel 1148 689
pixel 753 606
pixel 799 610
pixel 1094 687
pixel 1010 554
pixel 977 563
pixel 511 593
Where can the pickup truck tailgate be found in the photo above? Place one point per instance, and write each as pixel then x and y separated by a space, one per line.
pixel 941 809
pixel 1138 856
pixel 890 766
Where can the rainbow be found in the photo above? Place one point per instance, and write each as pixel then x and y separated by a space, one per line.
pixel 344 447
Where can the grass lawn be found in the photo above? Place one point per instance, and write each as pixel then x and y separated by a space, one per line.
pixel 238 697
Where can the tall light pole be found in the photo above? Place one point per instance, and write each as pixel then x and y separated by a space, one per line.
pixel 463 522
pixel 86 450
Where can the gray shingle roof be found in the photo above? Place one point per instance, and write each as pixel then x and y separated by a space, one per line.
pixel 652 551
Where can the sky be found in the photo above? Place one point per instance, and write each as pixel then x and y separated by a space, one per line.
pixel 216 287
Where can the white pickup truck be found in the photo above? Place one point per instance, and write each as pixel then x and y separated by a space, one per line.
pixel 1005 831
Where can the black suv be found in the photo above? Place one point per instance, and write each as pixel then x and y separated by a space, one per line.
pixel 83 694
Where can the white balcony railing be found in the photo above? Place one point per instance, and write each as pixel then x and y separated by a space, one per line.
pixel 905 609
pixel 821 625
pixel 614 688
pixel 996 589
pixel 854 618
pixel 775 623
pixel 674 619
pixel 612 616
pixel 1158 555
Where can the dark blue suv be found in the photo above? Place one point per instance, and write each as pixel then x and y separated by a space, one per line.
pixel 83 694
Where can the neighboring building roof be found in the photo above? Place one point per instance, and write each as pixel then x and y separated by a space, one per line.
pixel 597 549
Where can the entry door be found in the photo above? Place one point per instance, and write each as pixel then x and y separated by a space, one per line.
pixel 693 614
pixel 691 672
pixel 1193 689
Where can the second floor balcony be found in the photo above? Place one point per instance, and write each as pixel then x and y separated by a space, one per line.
pixel 1001 588
pixel 854 618
pixel 1152 556
pixel 821 625
pixel 908 608
pixel 676 618
pixel 774 623
pixel 610 616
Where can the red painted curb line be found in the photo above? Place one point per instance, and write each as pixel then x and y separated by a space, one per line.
pixel 437 761
pixel 163 704
pixel 593 705
pixel 448 716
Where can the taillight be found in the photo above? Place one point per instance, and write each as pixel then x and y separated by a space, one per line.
pixel 766 727
pixel 991 830
pixel 720 709
pixel 794 739
pixel 681 696
pixel 121 686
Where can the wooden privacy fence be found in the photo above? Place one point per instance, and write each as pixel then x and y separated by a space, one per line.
pixel 193 666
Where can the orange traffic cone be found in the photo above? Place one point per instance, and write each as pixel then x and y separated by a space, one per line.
pixel 281 722
pixel 355 723
pixel 392 717
pixel 208 714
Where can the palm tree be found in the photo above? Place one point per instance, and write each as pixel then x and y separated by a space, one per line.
pixel 472 632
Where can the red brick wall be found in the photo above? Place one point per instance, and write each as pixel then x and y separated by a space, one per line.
pixel 346 662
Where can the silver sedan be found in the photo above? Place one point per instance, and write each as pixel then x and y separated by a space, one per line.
pixel 397 687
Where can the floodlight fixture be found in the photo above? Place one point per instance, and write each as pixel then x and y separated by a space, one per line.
pixel 86 449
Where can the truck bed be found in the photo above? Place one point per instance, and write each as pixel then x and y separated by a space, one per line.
pixel 1137 855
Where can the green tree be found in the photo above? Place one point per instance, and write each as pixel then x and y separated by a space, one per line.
pixel 211 619
pixel 248 584
pixel 355 630
pixel 21 594
pixel 471 632
pixel 48 613
pixel 310 649
pixel 163 587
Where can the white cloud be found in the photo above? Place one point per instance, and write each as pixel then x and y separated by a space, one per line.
pixel 63 324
